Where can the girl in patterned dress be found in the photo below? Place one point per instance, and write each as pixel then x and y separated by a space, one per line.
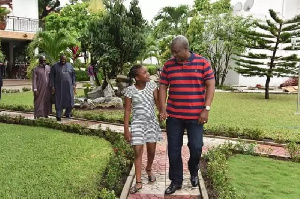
pixel 141 98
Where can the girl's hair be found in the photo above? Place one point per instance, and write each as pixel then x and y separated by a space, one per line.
pixel 133 72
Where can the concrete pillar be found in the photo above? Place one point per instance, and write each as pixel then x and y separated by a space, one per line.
pixel 11 55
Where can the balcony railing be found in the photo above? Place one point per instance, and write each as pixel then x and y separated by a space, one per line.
pixel 14 23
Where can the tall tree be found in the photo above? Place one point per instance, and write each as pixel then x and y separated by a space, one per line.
pixel 117 37
pixel 268 37
pixel 172 18
pixel 72 18
pixel 218 37
pixel 169 21
pixel 47 6
pixel 216 34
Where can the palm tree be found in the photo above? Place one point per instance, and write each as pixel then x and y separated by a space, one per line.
pixel 172 18
pixel 52 43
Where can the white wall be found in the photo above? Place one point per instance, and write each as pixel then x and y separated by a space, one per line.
pixel 25 8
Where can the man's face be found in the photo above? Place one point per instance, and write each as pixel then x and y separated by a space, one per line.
pixel 43 61
pixel 179 52
pixel 63 60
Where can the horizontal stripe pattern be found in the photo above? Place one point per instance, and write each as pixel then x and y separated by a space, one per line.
pixel 186 82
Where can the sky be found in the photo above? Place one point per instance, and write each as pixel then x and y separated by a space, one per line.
pixel 151 7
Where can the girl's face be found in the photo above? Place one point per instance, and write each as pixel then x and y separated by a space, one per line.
pixel 143 75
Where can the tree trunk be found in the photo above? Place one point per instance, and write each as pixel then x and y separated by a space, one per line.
pixel 217 79
pixel 267 87
pixel 96 79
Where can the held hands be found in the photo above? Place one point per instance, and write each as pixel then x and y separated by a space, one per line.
pixel 203 117
pixel 163 115
pixel 53 90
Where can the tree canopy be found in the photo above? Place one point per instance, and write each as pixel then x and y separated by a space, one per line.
pixel 117 37
pixel 217 34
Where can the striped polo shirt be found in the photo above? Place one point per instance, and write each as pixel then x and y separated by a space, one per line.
pixel 186 85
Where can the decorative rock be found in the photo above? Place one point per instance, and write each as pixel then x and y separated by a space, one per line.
pixel 99 100
pixel 115 102
pixel 108 91
pixel 96 93
pixel 121 83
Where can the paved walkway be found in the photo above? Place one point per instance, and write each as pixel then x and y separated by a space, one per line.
pixel 160 165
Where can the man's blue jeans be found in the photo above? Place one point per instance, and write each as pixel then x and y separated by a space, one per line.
pixel 175 130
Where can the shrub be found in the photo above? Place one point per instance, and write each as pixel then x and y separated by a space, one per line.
pixel 294 150
pixel 25 89
pixel 10 90
pixel 81 75
pixel 217 169
pixel 152 69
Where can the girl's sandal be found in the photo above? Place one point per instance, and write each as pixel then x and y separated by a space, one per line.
pixel 151 178
pixel 135 189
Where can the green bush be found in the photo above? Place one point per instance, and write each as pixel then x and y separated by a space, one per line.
pixel 81 75
pixel 152 69
pixel 78 64
pixel 294 151
pixel 10 90
pixel 217 169
pixel 25 89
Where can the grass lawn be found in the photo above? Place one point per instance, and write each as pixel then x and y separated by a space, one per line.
pixel 260 177
pixel 43 163
pixel 24 98
pixel 275 116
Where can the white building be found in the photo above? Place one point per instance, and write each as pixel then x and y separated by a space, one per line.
pixel 21 26
pixel 285 9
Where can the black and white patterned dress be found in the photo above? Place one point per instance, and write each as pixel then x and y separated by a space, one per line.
pixel 144 125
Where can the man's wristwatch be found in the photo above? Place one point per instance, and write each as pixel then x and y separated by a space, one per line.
pixel 207 108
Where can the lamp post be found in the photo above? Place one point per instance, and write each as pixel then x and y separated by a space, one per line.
pixel 295 43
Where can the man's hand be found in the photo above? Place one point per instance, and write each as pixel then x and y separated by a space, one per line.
pixel 127 135
pixel 53 90
pixel 36 93
pixel 203 117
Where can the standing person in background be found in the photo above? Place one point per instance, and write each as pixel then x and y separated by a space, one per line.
pixel 91 74
pixel 63 85
pixel 191 83
pixel 41 89
pixel 141 98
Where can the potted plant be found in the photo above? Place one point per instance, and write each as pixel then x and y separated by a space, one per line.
pixel 3 14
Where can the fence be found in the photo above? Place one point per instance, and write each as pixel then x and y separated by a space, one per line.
pixel 14 23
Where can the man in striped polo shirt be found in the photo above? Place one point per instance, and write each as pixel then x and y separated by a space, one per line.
pixel 191 83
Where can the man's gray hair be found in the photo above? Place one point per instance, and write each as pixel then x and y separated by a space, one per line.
pixel 182 40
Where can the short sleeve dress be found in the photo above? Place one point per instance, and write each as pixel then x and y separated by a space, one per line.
pixel 144 125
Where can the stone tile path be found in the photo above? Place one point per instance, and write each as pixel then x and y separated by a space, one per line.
pixel 160 165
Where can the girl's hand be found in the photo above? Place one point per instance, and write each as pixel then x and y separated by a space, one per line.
pixel 127 135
